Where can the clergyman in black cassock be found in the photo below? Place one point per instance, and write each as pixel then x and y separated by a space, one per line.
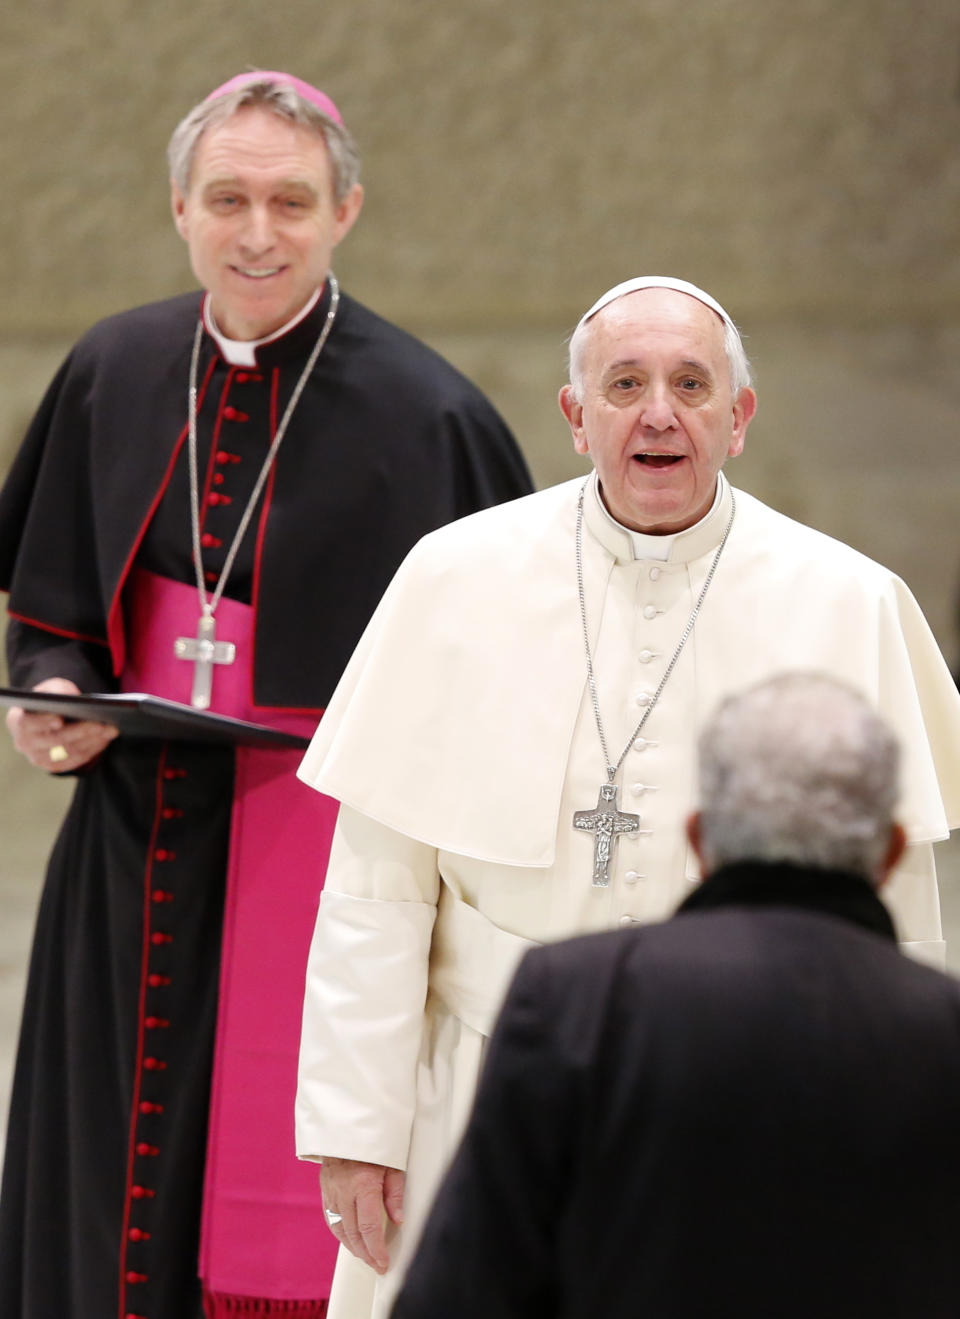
pixel 173 926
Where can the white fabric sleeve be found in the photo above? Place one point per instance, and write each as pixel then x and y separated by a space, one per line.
pixel 914 902
pixel 364 998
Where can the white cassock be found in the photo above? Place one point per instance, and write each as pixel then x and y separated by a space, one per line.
pixel 462 739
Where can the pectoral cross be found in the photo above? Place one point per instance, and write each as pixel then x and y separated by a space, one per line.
pixel 607 823
pixel 205 650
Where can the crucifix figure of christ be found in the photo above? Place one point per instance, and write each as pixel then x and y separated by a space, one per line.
pixel 607 822
pixel 205 650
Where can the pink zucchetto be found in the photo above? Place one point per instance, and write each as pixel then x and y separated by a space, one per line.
pixel 309 93
pixel 655 282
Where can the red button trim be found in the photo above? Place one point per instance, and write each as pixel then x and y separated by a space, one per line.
pixel 242 377
pixel 218 478
pixel 146 1107
pixel 174 773
pixel 157 938
pixel 158 982
pixel 137 1277
pixel 216 499
pixel 164 854
pixel 210 542
pixel 172 813
pixel 147 1151
pixel 157 1023
pixel 234 414
pixel 161 895
pixel 142 1193
pixel 134 1316
pixel 155 1064
pixel 223 457
pixel 211 577
pixel 135 1234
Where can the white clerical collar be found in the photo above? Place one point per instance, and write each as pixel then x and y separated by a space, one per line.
pixel 680 547
pixel 243 352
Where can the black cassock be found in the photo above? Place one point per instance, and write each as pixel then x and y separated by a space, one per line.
pixel 101 1204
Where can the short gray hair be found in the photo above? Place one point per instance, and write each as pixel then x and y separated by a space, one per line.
pixel 740 375
pixel 801 769
pixel 280 99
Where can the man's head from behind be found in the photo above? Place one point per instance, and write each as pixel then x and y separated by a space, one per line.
pixel 798 769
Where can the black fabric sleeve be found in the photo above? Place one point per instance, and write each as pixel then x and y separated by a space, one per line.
pixel 33 655
pixel 491 469
pixel 21 481
pixel 47 560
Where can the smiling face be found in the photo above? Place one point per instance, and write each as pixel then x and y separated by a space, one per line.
pixel 655 410
pixel 260 219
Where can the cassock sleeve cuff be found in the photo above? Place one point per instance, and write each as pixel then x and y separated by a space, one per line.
pixel 362 1026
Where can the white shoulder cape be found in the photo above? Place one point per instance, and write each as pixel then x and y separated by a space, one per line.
pixel 462 695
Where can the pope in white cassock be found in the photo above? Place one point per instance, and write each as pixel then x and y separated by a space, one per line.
pixel 513 744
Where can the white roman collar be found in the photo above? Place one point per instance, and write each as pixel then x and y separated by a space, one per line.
pixel 681 547
pixel 243 352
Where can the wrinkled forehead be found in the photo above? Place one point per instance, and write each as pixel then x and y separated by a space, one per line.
pixel 256 135
pixel 652 320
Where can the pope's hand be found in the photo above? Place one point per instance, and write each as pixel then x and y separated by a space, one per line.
pixel 73 743
pixel 362 1193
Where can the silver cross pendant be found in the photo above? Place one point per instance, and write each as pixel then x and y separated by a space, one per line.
pixel 606 823
pixel 205 651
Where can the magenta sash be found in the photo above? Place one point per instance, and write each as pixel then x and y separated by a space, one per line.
pixel 263 1232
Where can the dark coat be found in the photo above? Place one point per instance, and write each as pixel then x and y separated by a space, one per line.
pixel 388 442
pixel 750 1110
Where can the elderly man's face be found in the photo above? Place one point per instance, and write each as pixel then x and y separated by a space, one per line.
pixel 260 219
pixel 656 412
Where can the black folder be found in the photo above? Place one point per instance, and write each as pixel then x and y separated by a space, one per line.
pixel 139 715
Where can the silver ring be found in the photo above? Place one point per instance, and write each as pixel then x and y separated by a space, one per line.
pixel 58 753
pixel 332 1218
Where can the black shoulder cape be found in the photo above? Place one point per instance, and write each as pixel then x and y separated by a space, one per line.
pixel 387 443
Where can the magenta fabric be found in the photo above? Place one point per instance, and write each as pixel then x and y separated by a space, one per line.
pixel 309 93
pixel 263 1230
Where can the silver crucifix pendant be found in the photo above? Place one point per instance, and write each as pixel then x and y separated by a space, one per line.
pixel 606 823
pixel 205 650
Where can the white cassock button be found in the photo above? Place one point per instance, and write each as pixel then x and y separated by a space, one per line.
pixel 645 656
pixel 644 698
pixel 638 789
pixel 654 574
pixel 628 920
pixel 640 744
pixel 632 876
pixel 650 611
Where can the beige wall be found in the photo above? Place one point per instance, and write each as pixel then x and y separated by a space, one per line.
pixel 799 159
pixel 521 154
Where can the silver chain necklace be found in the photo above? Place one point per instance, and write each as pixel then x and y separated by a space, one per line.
pixel 204 649
pixel 606 821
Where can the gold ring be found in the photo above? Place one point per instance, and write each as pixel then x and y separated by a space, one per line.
pixel 58 753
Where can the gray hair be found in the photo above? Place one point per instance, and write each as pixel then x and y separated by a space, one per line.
pixel 280 99
pixel 737 360
pixel 800 769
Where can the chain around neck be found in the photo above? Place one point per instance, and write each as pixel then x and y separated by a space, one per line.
pixel 612 769
pixel 208 606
